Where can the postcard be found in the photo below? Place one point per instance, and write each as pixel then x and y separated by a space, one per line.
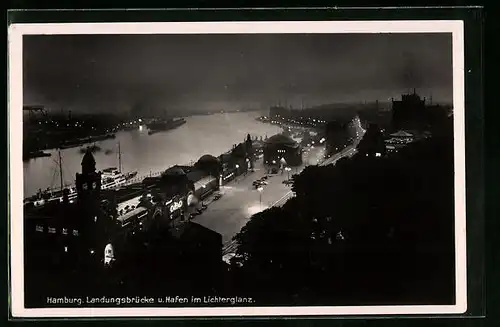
pixel 223 169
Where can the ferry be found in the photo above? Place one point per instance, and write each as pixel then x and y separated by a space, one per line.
pixel 164 125
pixel 111 178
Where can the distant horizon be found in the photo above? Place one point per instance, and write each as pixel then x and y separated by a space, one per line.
pixel 209 73
pixel 214 111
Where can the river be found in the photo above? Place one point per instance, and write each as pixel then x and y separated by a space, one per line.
pixel 213 134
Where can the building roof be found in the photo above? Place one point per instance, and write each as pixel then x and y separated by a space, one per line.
pixel 204 181
pixel 134 202
pixel 401 134
pixel 225 157
pixel 281 139
pixel 88 162
pixel 123 218
pixel 195 175
pixel 208 157
pixel 175 171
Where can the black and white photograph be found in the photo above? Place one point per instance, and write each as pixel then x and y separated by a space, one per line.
pixel 237 169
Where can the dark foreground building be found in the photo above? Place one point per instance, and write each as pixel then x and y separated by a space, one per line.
pixel 100 244
pixel 414 113
pixel 279 148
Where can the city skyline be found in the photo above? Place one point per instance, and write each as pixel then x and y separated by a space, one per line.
pixel 113 73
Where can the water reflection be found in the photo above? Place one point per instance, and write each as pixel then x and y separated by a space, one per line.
pixel 145 153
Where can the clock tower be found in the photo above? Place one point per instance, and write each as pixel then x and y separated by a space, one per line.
pixel 88 183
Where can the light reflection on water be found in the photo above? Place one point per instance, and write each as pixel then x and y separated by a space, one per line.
pixel 145 153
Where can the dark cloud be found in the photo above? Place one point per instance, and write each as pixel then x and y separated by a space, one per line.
pixel 115 72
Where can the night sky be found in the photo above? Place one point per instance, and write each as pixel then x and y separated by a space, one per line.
pixel 112 73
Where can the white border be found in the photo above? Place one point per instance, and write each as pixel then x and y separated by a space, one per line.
pixel 16 32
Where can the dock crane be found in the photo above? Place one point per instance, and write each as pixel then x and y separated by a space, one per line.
pixel 32 110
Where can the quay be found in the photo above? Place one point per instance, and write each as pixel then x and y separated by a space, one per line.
pixel 216 193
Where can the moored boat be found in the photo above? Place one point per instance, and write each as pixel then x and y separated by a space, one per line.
pixel 111 178
pixel 162 125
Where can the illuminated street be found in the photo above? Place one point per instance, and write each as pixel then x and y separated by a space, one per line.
pixel 241 200
pixel 254 166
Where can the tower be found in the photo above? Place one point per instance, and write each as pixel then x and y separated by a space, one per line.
pixel 88 183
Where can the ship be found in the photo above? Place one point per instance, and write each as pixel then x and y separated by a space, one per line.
pixel 81 141
pixel 111 178
pixel 164 125
pixel 92 148
pixel 27 155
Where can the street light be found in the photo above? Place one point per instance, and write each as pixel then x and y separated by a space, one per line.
pixel 260 188
pixel 288 169
pixel 203 186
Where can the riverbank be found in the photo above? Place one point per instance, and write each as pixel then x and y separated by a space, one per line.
pixel 150 153
pixel 81 141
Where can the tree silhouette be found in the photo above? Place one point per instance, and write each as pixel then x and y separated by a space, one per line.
pixel 372 142
pixel 337 135
pixel 365 231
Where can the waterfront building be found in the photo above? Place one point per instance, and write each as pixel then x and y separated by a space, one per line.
pixel 408 112
pixel 64 235
pixel 204 183
pixel 235 162
pixel 413 113
pixel 398 140
pixel 88 182
pixel 210 165
pixel 279 148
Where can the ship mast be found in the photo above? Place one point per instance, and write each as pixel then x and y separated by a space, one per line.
pixel 60 170
pixel 119 157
